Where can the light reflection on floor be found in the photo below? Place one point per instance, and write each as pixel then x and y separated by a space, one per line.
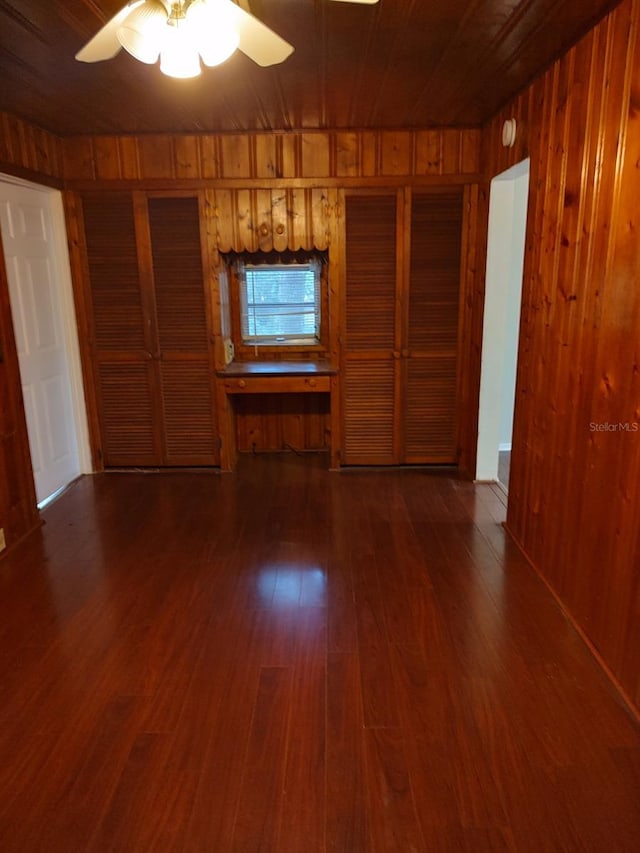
pixel 283 586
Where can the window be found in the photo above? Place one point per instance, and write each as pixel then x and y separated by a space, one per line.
pixel 280 303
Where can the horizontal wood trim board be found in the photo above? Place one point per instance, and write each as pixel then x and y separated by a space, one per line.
pixel 374 183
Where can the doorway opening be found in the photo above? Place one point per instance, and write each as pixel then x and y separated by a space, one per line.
pixel 40 294
pixel 505 259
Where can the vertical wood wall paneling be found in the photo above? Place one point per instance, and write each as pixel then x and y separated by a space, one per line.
pixel 275 422
pixel 218 280
pixel 473 260
pixel 18 512
pixel 29 152
pixel 614 465
pixel 220 323
pixel 575 485
pixel 279 220
pixel 306 156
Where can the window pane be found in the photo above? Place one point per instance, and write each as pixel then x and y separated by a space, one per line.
pixel 281 302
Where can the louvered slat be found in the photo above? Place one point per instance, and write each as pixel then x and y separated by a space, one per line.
pixel 371 272
pixel 369 380
pixel 430 413
pixel 430 398
pixel 189 431
pixel 436 227
pixel 137 426
pixel 113 272
pixel 177 272
pixel 125 396
pixel 127 414
pixel 368 412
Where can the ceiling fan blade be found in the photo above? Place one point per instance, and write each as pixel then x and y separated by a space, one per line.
pixel 105 44
pixel 368 2
pixel 257 41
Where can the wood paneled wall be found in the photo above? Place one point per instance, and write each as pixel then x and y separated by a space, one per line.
pixel 575 473
pixel 18 513
pixel 473 255
pixel 276 191
pixel 348 158
pixel 29 152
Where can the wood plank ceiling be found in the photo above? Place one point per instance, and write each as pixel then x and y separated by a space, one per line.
pixel 401 63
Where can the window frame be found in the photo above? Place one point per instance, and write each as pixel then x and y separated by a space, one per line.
pixel 248 312
pixel 253 351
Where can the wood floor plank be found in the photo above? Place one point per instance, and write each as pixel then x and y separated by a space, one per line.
pixel 342 620
pixel 135 796
pixel 261 797
pixel 347 827
pixel 302 818
pixel 392 811
pixel 289 660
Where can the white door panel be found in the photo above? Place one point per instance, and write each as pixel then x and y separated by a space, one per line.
pixel 37 312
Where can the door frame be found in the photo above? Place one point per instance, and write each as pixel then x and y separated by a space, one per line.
pixel 505 250
pixel 64 292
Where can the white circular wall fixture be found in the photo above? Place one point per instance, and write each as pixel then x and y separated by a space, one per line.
pixel 509 133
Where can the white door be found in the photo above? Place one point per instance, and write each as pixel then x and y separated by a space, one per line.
pixel 39 323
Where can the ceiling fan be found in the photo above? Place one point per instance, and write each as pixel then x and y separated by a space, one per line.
pixel 181 32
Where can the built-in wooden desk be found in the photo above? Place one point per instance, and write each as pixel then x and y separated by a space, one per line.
pixel 273 377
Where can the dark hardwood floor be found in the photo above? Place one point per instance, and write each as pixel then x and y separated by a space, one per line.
pixel 290 660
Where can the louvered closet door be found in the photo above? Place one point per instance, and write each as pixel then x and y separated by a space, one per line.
pixel 430 378
pixel 370 367
pixel 122 347
pixel 189 433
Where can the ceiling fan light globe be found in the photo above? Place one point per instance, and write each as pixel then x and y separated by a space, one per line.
pixel 216 47
pixel 143 32
pixel 216 34
pixel 179 56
